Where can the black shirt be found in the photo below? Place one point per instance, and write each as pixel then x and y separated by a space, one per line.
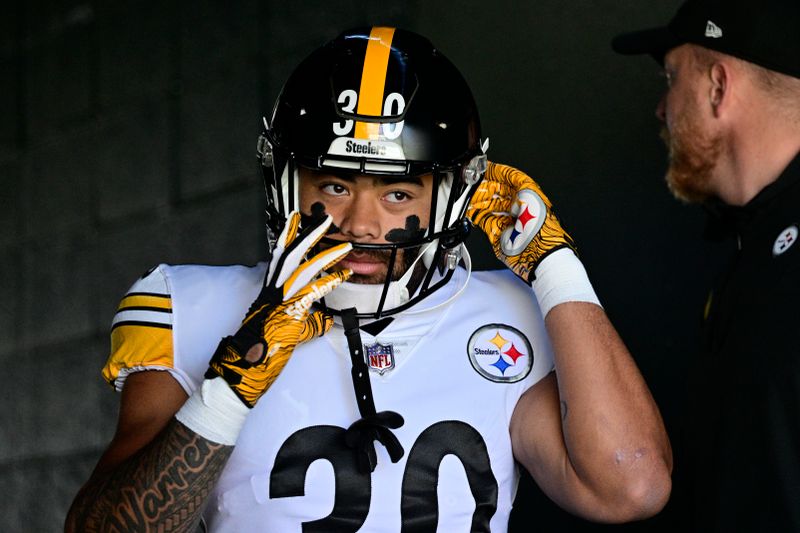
pixel 745 401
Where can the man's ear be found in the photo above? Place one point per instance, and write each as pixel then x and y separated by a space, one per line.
pixel 719 91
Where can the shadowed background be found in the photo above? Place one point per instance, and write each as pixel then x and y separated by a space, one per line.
pixel 127 138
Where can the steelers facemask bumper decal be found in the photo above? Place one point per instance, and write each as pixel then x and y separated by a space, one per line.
pixel 517 217
pixel 279 319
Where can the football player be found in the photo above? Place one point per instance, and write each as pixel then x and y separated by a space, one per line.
pixel 366 379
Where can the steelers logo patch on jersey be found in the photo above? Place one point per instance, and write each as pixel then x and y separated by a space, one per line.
pixel 529 212
pixel 500 353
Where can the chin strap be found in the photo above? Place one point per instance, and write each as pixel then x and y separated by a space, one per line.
pixel 372 426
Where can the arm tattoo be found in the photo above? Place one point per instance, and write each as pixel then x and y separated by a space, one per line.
pixel 564 410
pixel 163 487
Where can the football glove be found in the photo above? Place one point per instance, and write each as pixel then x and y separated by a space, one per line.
pixel 517 217
pixel 280 317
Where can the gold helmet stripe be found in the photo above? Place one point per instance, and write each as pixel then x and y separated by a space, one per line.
pixel 373 80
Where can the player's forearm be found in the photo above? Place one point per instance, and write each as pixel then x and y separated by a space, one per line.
pixel 613 432
pixel 163 487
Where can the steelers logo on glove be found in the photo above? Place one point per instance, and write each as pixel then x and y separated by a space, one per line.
pixel 280 317
pixel 517 217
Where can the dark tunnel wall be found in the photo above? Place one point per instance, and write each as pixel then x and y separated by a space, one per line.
pixel 127 135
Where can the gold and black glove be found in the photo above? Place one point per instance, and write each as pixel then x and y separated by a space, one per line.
pixel 280 317
pixel 517 217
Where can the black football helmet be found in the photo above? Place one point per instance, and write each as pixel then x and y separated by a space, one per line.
pixel 379 101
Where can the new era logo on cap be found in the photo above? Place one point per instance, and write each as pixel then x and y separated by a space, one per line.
pixel 712 30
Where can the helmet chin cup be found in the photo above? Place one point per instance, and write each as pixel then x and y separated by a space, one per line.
pixel 366 298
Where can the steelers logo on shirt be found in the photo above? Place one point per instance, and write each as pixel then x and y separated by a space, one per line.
pixel 785 240
pixel 500 353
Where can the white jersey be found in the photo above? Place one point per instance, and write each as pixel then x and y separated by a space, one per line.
pixel 454 372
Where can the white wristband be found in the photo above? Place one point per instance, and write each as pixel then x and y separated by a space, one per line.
pixel 561 277
pixel 214 412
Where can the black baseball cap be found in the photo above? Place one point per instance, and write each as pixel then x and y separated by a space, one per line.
pixel 765 32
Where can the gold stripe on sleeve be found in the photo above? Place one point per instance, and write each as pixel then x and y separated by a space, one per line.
pixel 138 346
pixel 145 300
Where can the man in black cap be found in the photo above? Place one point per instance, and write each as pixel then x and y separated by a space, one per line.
pixel 731 116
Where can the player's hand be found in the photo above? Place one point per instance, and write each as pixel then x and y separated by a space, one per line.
pixel 280 318
pixel 517 217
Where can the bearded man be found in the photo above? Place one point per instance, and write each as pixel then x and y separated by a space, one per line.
pixel 731 117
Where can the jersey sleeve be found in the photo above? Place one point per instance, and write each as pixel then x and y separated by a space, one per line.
pixel 141 332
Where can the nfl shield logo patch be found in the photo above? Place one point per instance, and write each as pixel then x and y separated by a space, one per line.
pixel 380 357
